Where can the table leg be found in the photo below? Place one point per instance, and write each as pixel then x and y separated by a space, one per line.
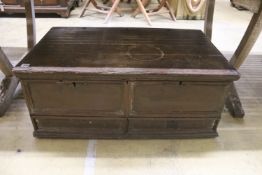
pixel 8 84
pixel 233 103
pixel 248 41
pixel 5 65
pixel 254 29
pixel 210 7
pixel 30 21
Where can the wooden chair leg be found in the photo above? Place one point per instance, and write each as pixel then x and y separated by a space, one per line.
pixel 171 12
pixel 143 10
pixel 233 103
pixel 84 8
pixel 8 85
pixel 162 3
pixel 113 8
pixel 254 29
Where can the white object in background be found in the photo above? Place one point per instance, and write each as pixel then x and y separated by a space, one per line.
pixel 195 5
pixel 1 6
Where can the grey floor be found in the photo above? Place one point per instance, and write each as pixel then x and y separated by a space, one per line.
pixel 237 150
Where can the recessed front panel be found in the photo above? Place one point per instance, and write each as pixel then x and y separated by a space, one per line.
pixel 168 99
pixel 87 126
pixel 171 126
pixel 76 98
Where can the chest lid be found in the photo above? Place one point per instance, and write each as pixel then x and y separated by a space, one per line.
pixel 125 51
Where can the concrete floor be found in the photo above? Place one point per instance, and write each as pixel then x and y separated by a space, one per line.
pixel 237 150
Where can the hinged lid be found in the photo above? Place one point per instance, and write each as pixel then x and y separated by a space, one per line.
pixel 127 51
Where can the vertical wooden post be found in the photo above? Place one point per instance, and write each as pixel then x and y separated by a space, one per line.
pixel 30 22
pixel 209 13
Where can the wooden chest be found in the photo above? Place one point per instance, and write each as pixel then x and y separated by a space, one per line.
pixel 125 83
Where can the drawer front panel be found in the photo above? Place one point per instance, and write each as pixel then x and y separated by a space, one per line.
pixel 169 99
pixel 76 98
pixel 80 125
pixel 171 125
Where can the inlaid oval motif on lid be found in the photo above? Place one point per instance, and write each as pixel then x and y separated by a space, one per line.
pixel 145 53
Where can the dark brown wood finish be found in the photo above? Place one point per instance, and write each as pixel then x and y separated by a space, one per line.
pixel 30 22
pixel 125 83
pixel 233 103
pixel 124 48
pixel 209 14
